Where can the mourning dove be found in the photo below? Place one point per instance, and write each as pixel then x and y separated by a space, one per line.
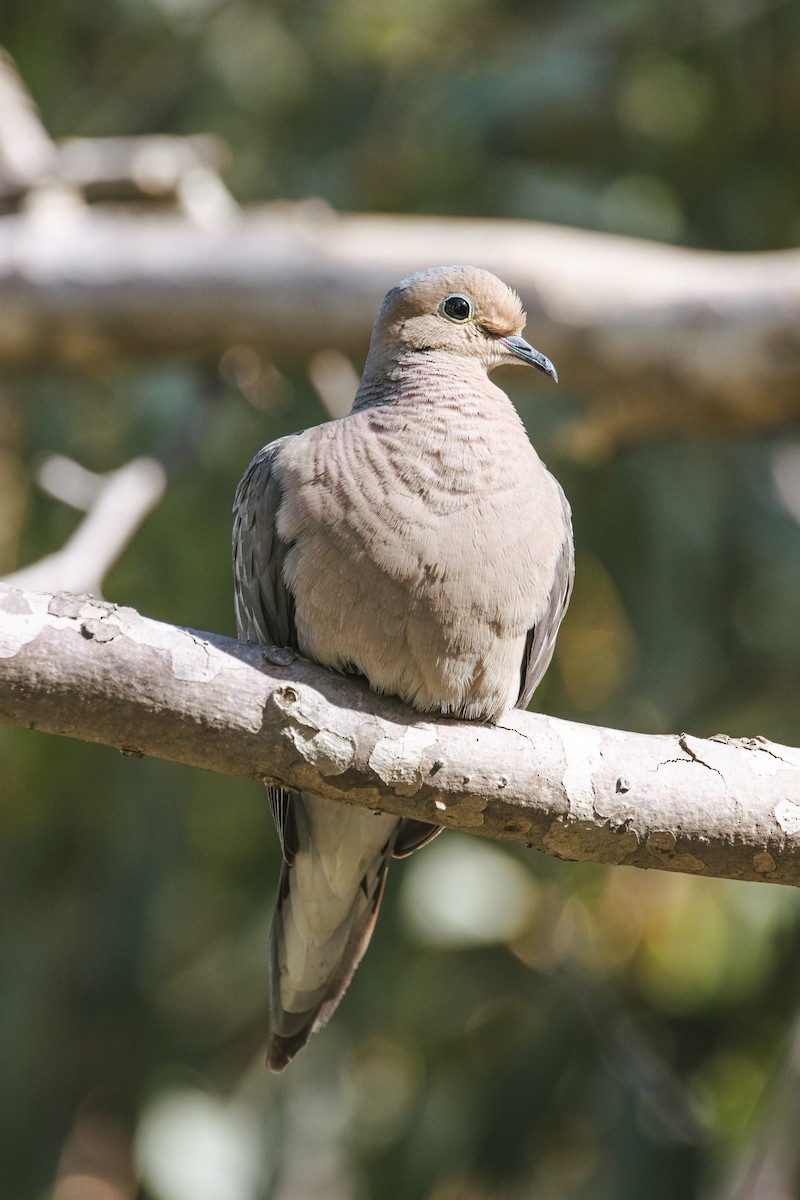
pixel 420 542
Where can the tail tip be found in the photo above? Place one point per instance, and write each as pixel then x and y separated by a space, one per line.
pixel 281 1050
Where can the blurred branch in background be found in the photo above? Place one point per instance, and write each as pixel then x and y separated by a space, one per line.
pixel 184 170
pixel 666 338
pixel 116 503
pixel 115 506
pixel 27 155
pixel 721 807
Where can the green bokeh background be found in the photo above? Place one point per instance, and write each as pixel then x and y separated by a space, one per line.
pixel 623 1036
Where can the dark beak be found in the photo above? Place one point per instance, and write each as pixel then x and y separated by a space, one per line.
pixel 523 350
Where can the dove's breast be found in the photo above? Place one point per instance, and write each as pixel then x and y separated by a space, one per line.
pixel 423 548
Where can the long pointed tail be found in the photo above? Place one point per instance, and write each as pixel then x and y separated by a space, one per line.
pixel 328 901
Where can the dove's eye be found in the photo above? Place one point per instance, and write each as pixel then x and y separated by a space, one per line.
pixel 456 308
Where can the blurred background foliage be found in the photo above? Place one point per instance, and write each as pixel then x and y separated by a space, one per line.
pixel 521 1027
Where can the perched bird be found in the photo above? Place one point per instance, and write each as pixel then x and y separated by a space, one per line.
pixel 420 542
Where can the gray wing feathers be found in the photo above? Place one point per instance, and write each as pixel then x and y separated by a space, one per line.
pixel 264 605
pixel 542 637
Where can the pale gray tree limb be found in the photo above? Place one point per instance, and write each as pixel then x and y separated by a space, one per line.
pixel 81 667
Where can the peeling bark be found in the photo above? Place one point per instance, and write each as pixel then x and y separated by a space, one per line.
pixel 84 668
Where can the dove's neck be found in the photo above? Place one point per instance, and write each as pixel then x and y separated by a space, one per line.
pixel 425 377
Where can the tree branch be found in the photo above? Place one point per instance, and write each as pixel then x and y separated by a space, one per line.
pixel 78 666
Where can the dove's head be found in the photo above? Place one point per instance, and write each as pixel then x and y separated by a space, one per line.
pixel 463 311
